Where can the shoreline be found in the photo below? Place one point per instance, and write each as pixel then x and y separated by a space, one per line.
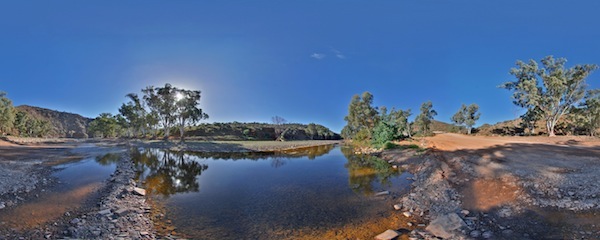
pixel 115 211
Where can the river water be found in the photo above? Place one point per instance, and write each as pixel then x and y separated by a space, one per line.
pixel 313 193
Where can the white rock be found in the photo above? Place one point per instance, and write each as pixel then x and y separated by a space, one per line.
pixel 444 226
pixel 104 212
pixel 139 191
pixel 407 214
pixel 387 235
pixel 382 193
pixel 397 206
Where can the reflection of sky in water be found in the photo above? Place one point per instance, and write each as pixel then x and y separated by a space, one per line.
pixel 253 197
pixel 78 181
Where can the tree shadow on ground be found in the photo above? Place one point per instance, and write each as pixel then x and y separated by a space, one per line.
pixel 502 178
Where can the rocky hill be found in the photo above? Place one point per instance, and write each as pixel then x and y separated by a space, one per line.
pixel 260 131
pixel 63 124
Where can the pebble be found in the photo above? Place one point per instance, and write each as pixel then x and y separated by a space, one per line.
pixel 475 233
pixel 487 234
pixel 397 206
pixel 407 214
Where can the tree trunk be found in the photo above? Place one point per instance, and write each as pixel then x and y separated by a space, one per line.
pixel 167 130
pixel 468 131
pixel 550 126
pixel 182 130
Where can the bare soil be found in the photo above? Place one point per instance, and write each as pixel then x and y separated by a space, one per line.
pixel 508 187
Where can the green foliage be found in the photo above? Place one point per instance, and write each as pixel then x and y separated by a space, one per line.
pixel 467 116
pixel 367 125
pixel 259 131
pixel 551 88
pixel 530 118
pixel 589 114
pixel 104 126
pixel 134 114
pixel 27 126
pixel 7 114
pixel 187 109
pixel 383 133
pixel 362 116
pixel 423 120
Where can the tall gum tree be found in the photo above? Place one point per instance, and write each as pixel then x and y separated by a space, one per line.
pixel 187 110
pixel 467 116
pixel 551 88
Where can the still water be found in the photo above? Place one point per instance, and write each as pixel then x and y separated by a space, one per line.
pixel 312 193
pixel 77 182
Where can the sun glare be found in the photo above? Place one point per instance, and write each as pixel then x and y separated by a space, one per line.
pixel 178 96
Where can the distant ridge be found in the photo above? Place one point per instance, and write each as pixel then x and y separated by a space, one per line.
pixel 63 124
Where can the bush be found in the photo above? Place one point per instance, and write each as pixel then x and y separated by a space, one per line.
pixel 389 145
pixel 383 133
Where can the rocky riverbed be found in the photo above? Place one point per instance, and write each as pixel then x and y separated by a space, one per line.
pixel 122 212
pixel 498 188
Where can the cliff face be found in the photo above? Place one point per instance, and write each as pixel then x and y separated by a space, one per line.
pixel 63 124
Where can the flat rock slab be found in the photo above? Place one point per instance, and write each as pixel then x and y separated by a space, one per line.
pixel 104 212
pixel 445 225
pixel 382 193
pixel 139 191
pixel 387 235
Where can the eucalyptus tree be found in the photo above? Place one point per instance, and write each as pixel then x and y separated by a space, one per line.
pixel 105 125
pixel 279 127
pixel 187 110
pixel 425 117
pixel 135 114
pixel 467 116
pixel 530 118
pixel 551 88
pixel 161 102
pixel 591 111
pixel 361 118
pixel 7 114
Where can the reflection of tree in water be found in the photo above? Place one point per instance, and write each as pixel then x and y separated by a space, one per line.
pixel 108 159
pixel 277 162
pixel 310 152
pixel 166 172
pixel 364 170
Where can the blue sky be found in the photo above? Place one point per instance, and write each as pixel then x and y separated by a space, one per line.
pixel 302 60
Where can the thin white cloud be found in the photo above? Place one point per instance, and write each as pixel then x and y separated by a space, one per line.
pixel 318 56
pixel 338 54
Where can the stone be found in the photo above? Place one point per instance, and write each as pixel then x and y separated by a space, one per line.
pixel 397 206
pixel 407 214
pixel 475 233
pixel 387 235
pixel 75 221
pixel 487 234
pixel 104 212
pixel 382 193
pixel 139 191
pixel 2 205
pixel 465 212
pixel 122 211
pixel 444 226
